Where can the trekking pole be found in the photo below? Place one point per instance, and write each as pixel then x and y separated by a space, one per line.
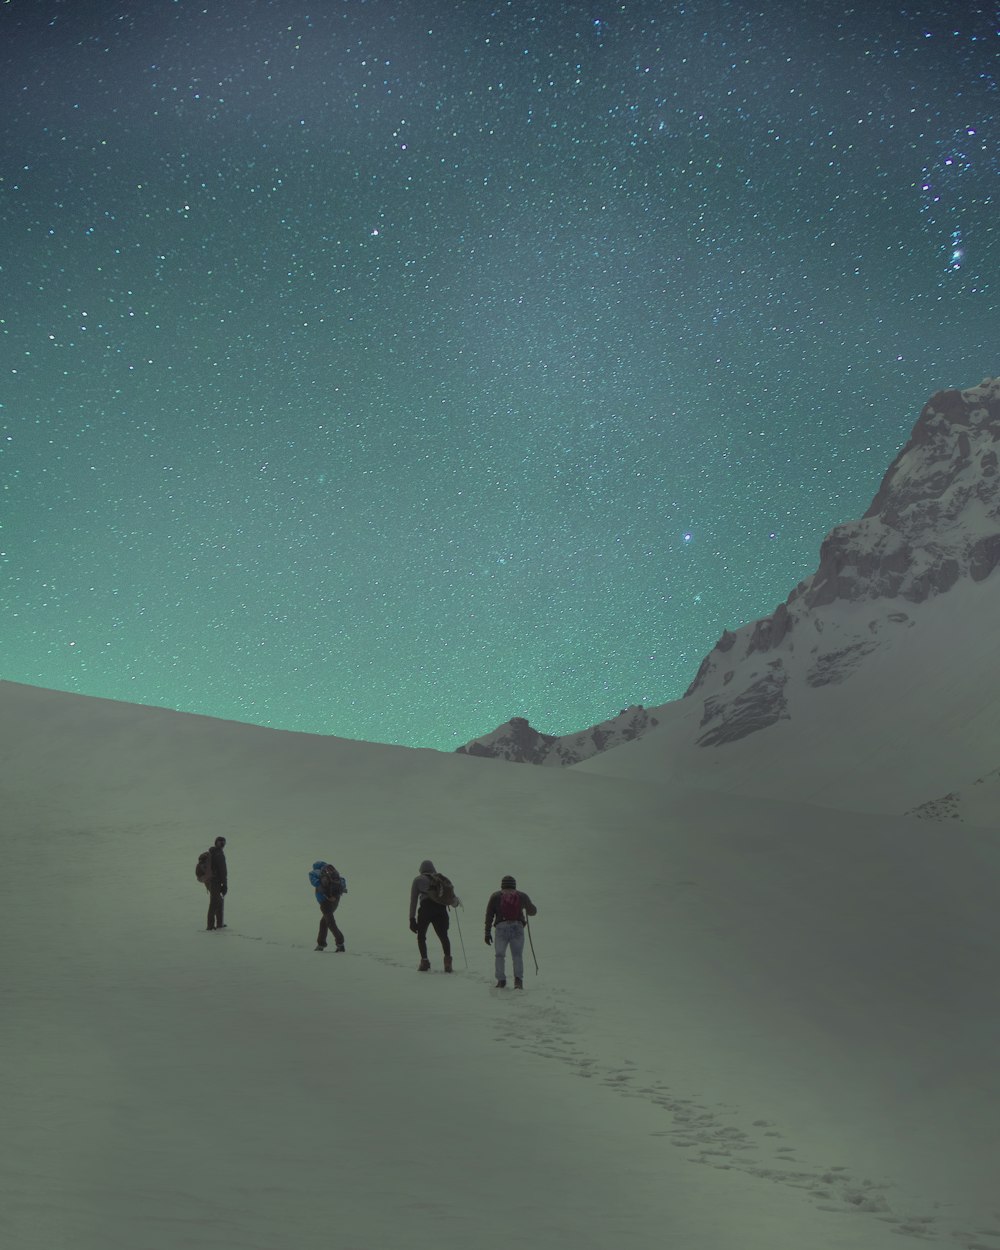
pixel 531 944
pixel 461 940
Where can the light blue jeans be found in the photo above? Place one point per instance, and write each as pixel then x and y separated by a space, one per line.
pixel 509 933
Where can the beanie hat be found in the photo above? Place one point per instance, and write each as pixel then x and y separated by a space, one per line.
pixel 427 866
pixel 508 883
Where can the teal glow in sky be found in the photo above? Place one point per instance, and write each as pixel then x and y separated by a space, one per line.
pixel 390 369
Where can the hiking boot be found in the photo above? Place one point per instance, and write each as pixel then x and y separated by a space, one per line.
pixel 447 964
pixel 518 983
pixel 320 948
pixel 424 965
pixel 340 948
pixel 500 985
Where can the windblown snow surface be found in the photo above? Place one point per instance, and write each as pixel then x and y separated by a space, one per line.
pixel 754 1025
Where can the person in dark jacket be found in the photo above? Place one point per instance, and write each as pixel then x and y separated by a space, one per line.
pixel 217 883
pixel 427 912
pixel 329 886
pixel 506 916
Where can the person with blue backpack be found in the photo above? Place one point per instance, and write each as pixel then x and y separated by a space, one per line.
pixel 329 887
pixel 506 917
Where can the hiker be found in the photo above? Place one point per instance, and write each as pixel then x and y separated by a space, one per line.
pixel 217 883
pixel 329 886
pixel 506 913
pixel 430 897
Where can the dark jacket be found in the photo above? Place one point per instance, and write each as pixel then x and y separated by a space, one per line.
pixel 493 909
pixel 218 876
pixel 418 890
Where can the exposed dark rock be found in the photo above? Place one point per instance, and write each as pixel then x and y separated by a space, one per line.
pixel 760 705
pixel 837 666
pixel 944 808
pixel 984 556
pixel 771 631
pixel 516 741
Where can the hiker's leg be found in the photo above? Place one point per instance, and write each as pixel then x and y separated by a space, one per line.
pixel 440 922
pixel 500 939
pixel 517 949
pixel 423 924
pixel 327 925
pixel 214 908
pixel 328 911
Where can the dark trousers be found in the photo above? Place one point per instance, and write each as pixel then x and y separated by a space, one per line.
pixel 436 915
pixel 327 924
pixel 214 907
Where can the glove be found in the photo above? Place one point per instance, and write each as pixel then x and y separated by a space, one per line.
pixel 489 939
pixel 224 891
pixel 413 925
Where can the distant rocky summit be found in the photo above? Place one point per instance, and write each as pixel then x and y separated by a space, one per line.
pixel 518 743
pixel 934 523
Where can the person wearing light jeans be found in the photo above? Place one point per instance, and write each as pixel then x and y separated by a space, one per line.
pixel 506 918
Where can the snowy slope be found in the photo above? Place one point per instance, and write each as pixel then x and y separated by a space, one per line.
pixel 755 1025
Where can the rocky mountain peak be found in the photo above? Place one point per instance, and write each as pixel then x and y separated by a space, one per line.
pixel 935 520
pixel 935 516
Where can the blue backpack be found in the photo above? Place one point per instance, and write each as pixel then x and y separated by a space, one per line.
pixel 326 881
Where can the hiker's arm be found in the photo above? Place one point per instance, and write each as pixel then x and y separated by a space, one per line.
pixel 414 896
pixel 529 906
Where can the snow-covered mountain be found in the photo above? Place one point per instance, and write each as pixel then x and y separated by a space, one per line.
pixel 905 603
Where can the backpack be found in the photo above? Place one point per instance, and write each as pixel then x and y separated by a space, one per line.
pixel 509 905
pixel 331 883
pixel 441 890
pixel 203 868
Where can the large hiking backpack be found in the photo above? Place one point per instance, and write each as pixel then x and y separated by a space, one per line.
pixel 326 881
pixel 440 890
pixel 203 868
pixel 331 882
pixel 509 905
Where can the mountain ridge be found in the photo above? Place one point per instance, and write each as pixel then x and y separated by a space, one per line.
pixel 931 531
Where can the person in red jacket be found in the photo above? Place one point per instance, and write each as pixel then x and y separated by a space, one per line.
pixel 506 917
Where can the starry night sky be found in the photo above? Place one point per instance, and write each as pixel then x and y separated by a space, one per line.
pixel 390 368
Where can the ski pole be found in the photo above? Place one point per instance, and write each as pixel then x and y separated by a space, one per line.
pixel 461 940
pixel 531 944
